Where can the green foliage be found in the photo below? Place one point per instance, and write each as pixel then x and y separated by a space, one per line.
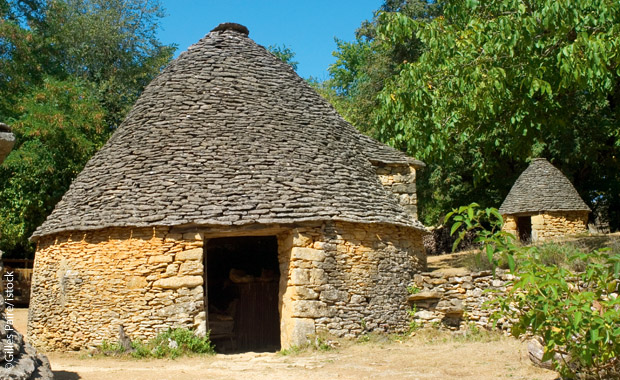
pixel 292 350
pixel 503 81
pixel 475 89
pixel 363 66
pixel 69 72
pixel 107 347
pixel 499 246
pixel 413 289
pixel 414 325
pixel 172 343
pixel 285 54
pixel 176 342
pixel 61 127
pixel 576 312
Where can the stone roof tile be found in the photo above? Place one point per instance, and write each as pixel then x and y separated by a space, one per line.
pixel 542 187
pixel 228 134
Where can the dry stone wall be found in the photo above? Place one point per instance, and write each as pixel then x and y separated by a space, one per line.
pixel 85 285
pixel 400 181
pixel 551 224
pixel 346 279
pixel 449 301
pixel 337 278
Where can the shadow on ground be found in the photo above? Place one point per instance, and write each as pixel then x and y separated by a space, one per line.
pixel 66 375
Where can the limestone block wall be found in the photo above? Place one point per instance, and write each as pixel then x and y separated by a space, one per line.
pixel 449 301
pixel 346 279
pixel 510 224
pixel 400 180
pixel 337 278
pixel 554 224
pixel 86 284
pixel 551 224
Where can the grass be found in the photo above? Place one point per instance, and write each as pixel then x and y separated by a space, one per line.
pixel 552 253
pixel 172 344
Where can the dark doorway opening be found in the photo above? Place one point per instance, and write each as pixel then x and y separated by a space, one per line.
pixel 242 293
pixel 524 227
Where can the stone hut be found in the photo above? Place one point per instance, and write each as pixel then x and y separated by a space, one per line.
pixel 543 205
pixel 233 199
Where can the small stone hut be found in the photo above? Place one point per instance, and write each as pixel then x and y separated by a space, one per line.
pixel 543 205
pixel 233 199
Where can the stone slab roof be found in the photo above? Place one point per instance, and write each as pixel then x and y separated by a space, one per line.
pixel 228 134
pixel 542 187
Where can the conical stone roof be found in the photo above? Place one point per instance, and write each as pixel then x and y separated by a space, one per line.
pixel 542 187
pixel 228 134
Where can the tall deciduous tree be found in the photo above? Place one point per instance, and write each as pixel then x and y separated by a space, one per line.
pixel 285 54
pixel 61 127
pixel 499 82
pixel 363 66
pixel 69 72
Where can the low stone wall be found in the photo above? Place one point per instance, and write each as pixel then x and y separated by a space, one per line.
pixel 346 279
pixel 551 224
pixel 87 284
pixel 451 301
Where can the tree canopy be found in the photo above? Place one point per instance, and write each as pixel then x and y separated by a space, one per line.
pixel 69 72
pixel 496 83
pixel 284 53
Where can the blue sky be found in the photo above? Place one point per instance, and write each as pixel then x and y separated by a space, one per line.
pixel 306 27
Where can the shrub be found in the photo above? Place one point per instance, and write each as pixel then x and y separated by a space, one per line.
pixel 576 313
pixel 566 296
pixel 171 343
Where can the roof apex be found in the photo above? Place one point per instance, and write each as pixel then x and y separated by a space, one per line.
pixel 232 26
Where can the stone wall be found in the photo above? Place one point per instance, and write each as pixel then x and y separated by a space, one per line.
pixel 87 284
pixel 450 301
pixel 400 180
pixel 551 224
pixel 337 278
pixel 346 279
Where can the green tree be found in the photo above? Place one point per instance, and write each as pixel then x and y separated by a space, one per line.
pixel 111 43
pixel 61 127
pixel 69 72
pixel 363 66
pixel 285 54
pixel 500 82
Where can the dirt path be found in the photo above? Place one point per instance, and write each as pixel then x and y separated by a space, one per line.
pixel 418 358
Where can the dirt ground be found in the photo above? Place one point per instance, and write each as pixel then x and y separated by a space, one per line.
pixel 428 355
pixel 419 357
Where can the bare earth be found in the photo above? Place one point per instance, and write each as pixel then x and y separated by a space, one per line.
pixel 416 358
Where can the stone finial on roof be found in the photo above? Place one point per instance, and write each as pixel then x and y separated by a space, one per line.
pixel 232 26
pixel 542 187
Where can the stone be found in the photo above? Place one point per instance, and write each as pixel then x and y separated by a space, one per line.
pixel 300 332
pixel 426 295
pixel 191 254
pixel 179 282
pixel 160 259
pixel 136 282
pixel 310 254
pixel 308 309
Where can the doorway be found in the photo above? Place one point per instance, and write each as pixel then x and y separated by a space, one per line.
pixel 243 277
pixel 524 228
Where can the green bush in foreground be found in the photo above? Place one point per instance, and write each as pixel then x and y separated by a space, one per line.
pixel 169 344
pixel 564 295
